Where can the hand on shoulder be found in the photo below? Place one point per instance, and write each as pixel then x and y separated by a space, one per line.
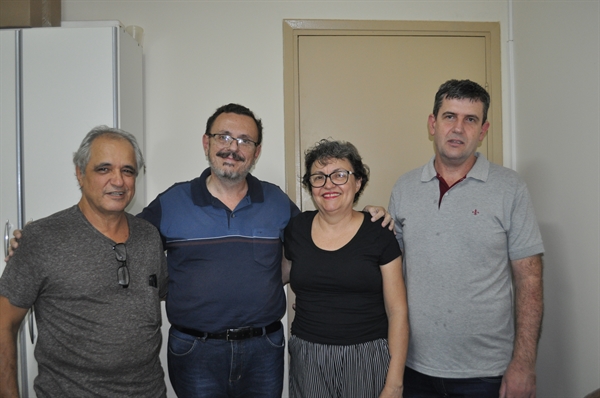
pixel 14 244
pixel 377 213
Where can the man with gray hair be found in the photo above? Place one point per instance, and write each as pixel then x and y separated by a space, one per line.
pixel 96 275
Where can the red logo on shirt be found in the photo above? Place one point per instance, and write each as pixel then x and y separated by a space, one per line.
pixel 475 212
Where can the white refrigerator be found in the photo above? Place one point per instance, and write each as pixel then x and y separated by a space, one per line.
pixel 55 85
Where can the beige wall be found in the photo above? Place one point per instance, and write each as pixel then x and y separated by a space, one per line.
pixel 557 150
pixel 200 55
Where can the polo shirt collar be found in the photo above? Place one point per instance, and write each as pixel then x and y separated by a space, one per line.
pixel 479 171
pixel 202 197
pixel 429 172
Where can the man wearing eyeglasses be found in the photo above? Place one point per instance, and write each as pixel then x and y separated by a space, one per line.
pixel 95 275
pixel 223 235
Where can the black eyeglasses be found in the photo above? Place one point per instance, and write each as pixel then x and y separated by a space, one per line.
pixel 225 141
pixel 123 271
pixel 338 177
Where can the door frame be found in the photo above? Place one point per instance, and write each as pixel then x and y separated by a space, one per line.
pixel 294 28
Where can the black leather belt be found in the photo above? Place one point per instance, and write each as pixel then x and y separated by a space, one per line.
pixel 232 334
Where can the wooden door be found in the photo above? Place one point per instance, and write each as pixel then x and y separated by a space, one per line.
pixel 373 84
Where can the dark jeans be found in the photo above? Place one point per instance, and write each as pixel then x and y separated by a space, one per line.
pixel 419 385
pixel 218 369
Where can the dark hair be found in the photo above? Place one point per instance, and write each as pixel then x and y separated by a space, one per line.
pixel 461 89
pixel 326 150
pixel 81 158
pixel 239 110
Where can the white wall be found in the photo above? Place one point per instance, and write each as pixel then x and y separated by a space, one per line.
pixel 558 147
pixel 202 54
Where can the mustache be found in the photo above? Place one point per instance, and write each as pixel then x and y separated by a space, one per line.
pixel 235 155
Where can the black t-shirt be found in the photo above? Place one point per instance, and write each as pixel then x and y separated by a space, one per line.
pixel 339 293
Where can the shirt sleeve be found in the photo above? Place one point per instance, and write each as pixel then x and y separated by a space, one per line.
pixel 22 279
pixel 153 214
pixel 393 210
pixel 524 237
pixel 390 250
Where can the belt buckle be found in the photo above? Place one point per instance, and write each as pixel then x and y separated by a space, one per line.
pixel 237 334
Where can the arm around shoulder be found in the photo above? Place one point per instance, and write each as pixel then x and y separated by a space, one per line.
pixel 10 320
pixel 286 268
pixel 378 213
pixel 14 244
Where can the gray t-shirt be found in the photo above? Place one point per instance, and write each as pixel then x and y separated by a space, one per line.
pixel 95 338
pixel 457 262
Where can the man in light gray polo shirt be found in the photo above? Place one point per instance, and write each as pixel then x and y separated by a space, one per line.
pixel 469 238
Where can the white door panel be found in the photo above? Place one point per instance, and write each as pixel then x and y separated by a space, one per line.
pixel 67 90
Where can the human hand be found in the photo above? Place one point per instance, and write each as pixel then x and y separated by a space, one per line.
pixel 14 243
pixel 390 392
pixel 378 212
pixel 519 381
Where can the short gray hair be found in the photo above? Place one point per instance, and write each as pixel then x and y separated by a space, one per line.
pixel 81 158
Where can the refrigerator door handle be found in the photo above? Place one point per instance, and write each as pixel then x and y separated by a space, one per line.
pixel 6 237
pixel 31 319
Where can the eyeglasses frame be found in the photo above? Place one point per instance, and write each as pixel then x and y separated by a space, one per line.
pixel 240 141
pixel 123 270
pixel 329 176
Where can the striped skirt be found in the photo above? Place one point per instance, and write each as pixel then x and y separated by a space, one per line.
pixel 337 371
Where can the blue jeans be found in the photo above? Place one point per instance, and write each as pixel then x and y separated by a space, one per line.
pixel 419 385
pixel 212 368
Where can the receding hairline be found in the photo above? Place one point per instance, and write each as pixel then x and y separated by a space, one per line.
pixel 113 137
pixel 226 114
